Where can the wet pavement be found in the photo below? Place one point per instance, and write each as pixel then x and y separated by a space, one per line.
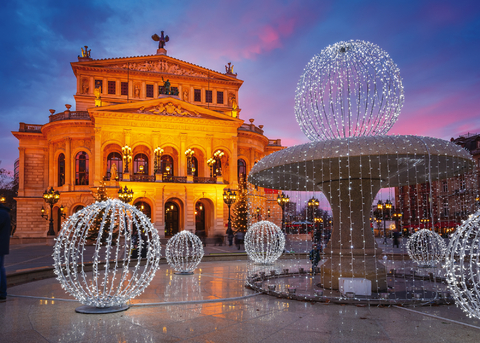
pixel 213 305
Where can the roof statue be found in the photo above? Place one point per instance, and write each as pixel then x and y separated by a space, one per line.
pixel 85 56
pixel 161 40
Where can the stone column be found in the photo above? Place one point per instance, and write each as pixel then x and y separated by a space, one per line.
pixel 51 165
pixel 233 164
pixel 91 86
pixel 209 147
pixel 68 163
pixel 98 168
pixel 46 171
pixel 21 174
pixel 182 159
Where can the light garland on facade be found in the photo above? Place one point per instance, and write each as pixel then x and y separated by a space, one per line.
pixel 462 265
pixel 184 252
pixel 115 278
pixel 264 242
pixel 426 247
pixel 350 89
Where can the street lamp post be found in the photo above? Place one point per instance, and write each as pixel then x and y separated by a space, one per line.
pixel 229 197
pixel 211 162
pixel 51 197
pixel 384 212
pixel 190 165
pixel 282 200
pixel 125 194
pixel 158 155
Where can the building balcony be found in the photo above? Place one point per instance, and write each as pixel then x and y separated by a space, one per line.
pixel 69 115
pixel 170 179
pixel 30 128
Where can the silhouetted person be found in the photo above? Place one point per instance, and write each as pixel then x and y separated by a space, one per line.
pixel 5 230
pixel 229 233
pixel 396 239
pixel 239 238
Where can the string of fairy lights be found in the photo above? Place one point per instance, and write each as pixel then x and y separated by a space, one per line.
pixel 426 248
pixel 115 277
pixel 351 88
pixel 264 242
pixel 347 99
pixel 184 251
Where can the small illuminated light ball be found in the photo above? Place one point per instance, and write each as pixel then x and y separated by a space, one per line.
pixel 462 266
pixel 184 252
pixel 264 242
pixel 350 89
pixel 105 278
pixel 426 247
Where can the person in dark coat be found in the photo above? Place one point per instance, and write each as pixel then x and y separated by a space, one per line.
pixel 314 256
pixel 229 233
pixel 239 239
pixel 5 230
pixel 396 238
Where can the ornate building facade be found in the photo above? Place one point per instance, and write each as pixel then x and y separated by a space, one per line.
pixel 165 128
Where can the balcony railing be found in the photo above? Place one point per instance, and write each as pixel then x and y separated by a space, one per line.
pixel 67 115
pixel 142 178
pixel 176 179
pixel 30 128
pixel 198 179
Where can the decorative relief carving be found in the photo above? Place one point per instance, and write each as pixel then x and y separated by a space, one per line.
pixel 168 109
pixel 162 67
pixel 59 145
pixel 85 85
pixel 82 143
pixel 136 89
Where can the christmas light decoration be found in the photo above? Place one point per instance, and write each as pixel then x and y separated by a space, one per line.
pixel 426 247
pixel 184 252
pixel 350 89
pixel 462 265
pixel 264 242
pixel 114 278
pixel 346 101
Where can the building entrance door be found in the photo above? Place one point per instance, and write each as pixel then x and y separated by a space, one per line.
pixel 200 218
pixel 171 219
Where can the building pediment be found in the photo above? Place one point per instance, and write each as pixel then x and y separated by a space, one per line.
pixel 160 64
pixel 170 106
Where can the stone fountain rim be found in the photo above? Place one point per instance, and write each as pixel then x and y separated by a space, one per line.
pixel 361 146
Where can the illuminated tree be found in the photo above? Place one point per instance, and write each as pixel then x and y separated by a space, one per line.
pixel 241 208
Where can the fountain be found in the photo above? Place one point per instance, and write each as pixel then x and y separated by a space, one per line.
pixel 347 99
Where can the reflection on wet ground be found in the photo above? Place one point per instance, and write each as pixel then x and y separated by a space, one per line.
pixel 257 318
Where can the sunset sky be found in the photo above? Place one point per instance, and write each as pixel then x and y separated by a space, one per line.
pixel 434 43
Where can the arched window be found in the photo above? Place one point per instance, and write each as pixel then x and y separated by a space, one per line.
pixel 78 208
pixel 140 164
pixel 167 165
pixel 61 170
pixel 144 207
pixel 171 219
pixel 81 168
pixel 115 158
pixel 241 169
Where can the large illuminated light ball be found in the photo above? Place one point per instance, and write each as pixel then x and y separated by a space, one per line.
pixel 462 265
pixel 264 242
pixel 350 89
pixel 426 247
pixel 184 252
pixel 104 275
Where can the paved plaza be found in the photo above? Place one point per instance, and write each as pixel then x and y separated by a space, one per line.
pixel 214 306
